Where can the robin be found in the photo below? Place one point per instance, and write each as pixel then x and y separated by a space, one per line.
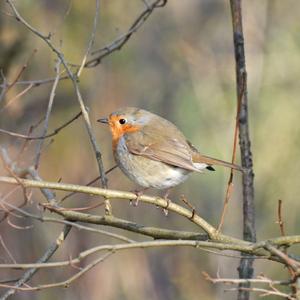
pixel 152 151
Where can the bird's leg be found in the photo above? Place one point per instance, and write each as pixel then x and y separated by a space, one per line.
pixel 166 195
pixel 138 194
pixel 182 198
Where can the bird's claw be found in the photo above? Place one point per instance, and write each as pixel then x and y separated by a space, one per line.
pixel 165 209
pixel 193 214
pixel 182 198
pixel 138 194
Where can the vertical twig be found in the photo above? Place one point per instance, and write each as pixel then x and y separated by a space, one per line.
pixel 230 180
pixel 280 220
pixel 49 109
pixel 293 274
pixel 249 234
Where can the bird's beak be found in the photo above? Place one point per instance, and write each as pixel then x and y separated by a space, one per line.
pixel 103 120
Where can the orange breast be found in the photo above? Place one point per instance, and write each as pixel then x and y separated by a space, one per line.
pixel 118 130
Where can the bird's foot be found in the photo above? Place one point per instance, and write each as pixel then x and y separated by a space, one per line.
pixel 138 194
pixel 165 209
pixel 185 201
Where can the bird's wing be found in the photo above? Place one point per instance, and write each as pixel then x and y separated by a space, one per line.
pixel 172 151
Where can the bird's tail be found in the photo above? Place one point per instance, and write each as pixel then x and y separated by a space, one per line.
pixel 200 158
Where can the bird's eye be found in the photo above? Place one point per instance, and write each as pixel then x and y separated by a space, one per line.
pixel 122 121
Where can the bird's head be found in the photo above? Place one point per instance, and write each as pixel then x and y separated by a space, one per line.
pixel 129 119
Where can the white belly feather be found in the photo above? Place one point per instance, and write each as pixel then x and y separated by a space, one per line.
pixel 147 172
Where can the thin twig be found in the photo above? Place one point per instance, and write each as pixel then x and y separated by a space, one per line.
pixel 10 169
pixel 47 255
pixel 92 38
pixel 263 292
pixel 235 140
pixel 280 220
pixel 65 283
pixel 289 261
pixel 291 270
pixel 7 211
pixel 105 51
pixel 144 245
pixel 49 109
pixel 26 143
pixel 74 80
pixel 121 247
pixel 49 195
pixel 88 184
pixel 35 83
pixel 10 101
pixel 153 232
pixel 120 195
pixel 9 86
pixel 118 43
pixel 259 279
pixel 65 222
pixel 15 226
pixel 55 131
pixel 7 250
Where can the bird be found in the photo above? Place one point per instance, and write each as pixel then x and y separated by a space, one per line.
pixel 153 152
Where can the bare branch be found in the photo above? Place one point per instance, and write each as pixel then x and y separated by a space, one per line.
pixel 92 39
pixel 10 101
pixel 230 180
pixel 7 87
pixel 264 292
pixel 7 250
pixel 280 220
pixel 122 195
pixel 47 255
pixel 49 109
pixel 55 131
pixel 44 185
pixel 88 184
pixel 73 78
pixel 121 247
pixel 65 283
pixel 105 51
pixel 259 279
pixel 289 261
pixel 118 43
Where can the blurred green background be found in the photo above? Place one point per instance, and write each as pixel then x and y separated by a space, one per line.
pixel 180 64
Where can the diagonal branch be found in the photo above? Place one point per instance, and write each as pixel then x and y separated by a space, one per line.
pixel 118 43
pixel 122 195
pixel 49 195
pixel 46 123
pixel 105 51
pixel 29 137
pixel 47 255
pixel 74 80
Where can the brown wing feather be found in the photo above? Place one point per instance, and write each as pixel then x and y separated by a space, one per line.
pixel 172 151
pixel 162 141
